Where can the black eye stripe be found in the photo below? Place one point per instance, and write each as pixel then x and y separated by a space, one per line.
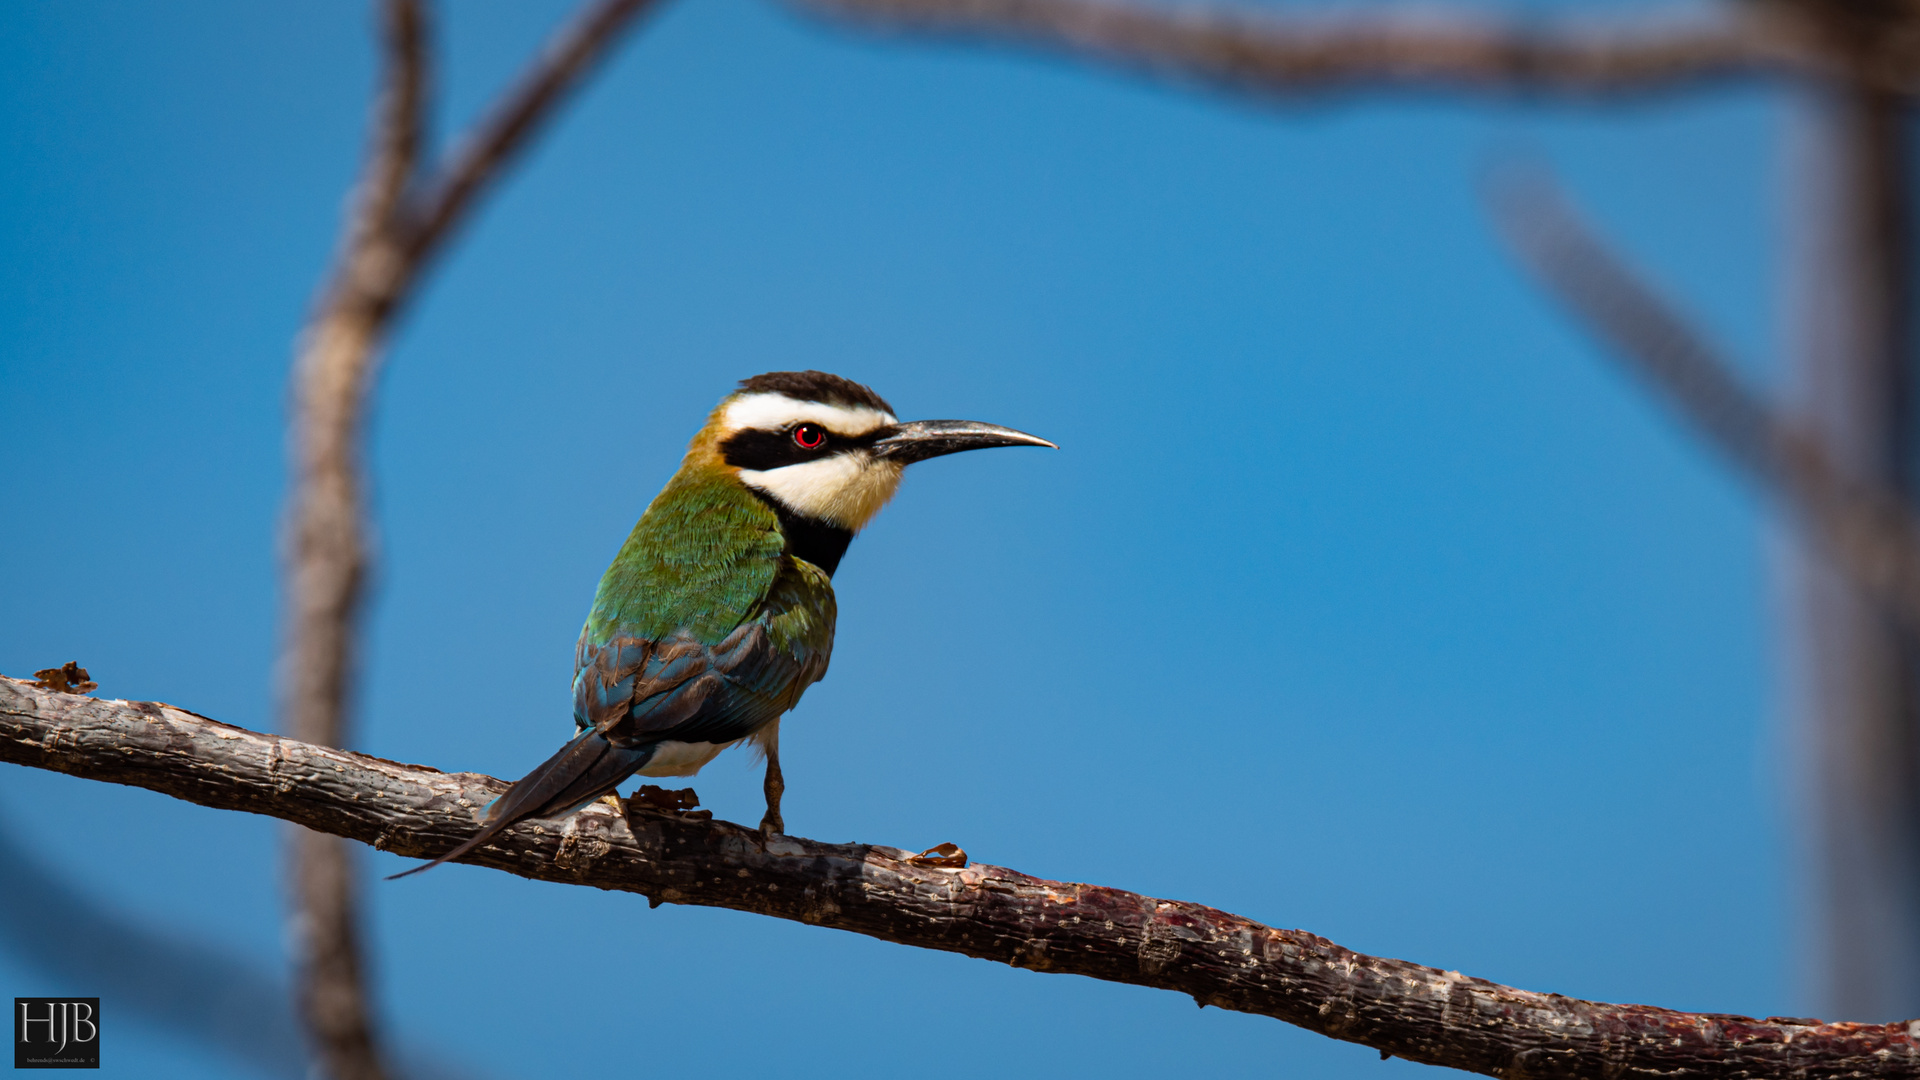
pixel 759 450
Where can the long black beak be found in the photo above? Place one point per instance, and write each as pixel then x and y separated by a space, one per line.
pixel 919 440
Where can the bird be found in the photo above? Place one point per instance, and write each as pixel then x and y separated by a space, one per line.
pixel 718 611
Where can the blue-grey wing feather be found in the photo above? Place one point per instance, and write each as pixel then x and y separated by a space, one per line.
pixel 636 691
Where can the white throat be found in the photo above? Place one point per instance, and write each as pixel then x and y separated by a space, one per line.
pixel 845 489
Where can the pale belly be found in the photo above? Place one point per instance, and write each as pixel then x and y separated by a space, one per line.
pixel 682 758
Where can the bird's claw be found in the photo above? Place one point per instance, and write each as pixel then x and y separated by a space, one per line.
pixel 771 825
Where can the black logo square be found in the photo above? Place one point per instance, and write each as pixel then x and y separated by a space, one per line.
pixel 56 1033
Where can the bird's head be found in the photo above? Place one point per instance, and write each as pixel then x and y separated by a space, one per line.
pixel 828 449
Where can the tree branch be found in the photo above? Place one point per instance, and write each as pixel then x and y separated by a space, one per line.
pixel 1398 1008
pixel 1869 530
pixel 327 564
pixel 566 60
pixel 196 989
pixel 1274 53
pixel 390 238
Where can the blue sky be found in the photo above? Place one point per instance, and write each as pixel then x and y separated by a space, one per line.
pixel 1365 596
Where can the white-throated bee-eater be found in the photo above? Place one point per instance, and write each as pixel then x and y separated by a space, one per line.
pixel 718 612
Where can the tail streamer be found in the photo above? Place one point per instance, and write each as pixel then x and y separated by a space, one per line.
pixel 583 770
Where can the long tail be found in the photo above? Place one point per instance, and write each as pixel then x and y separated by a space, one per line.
pixel 583 770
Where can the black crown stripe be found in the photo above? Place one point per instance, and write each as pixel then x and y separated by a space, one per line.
pixel 816 386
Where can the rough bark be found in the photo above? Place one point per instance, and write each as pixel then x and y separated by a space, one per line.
pixel 1399 1008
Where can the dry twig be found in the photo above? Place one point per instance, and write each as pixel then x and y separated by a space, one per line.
pixel 1401 1009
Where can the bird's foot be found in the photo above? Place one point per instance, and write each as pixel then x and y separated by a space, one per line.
pixel 614 800
pixel 771 824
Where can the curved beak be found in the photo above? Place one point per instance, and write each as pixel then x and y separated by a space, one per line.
pixel 918 440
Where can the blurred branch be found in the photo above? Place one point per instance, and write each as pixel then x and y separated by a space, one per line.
pixel 328 561
pixel 1854 363
pixel 1870 532
pixel 195 990
pixel 396 227
pixel 1401 1009
pixel 516 118
pixel 1262 50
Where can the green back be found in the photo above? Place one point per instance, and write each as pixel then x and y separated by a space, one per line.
pixel 800 613
pixel 702 557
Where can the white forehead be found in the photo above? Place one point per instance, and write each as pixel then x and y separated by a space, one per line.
pixel 771 412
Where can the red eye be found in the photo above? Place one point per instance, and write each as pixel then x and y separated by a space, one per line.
pixel 810 436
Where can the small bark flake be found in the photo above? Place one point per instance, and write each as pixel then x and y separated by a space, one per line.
pixel 948 855
pixel 69 678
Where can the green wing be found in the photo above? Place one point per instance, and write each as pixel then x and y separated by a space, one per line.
pixel 701 560
pixel 702 630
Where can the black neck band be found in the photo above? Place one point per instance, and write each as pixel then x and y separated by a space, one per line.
pixel 818 542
